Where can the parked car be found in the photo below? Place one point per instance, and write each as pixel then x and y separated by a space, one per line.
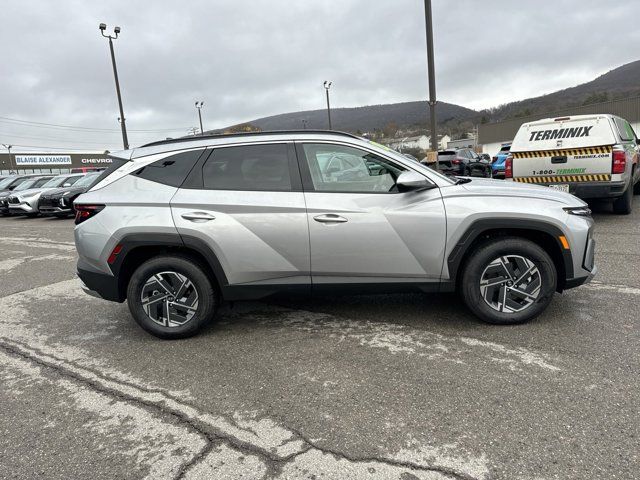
pixel 25 202
pixel 178 226
pixel 59 202
pixel 590 156
pixel 498 161
pixel 28 184
pixel 7 185
pixel 463 162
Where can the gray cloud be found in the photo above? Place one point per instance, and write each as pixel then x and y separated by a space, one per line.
pixel 255 58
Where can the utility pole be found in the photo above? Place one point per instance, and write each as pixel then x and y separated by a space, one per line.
pixel 116 31
pixel 432 76
pixel 199 106
pixel 9 147
pixel 327 86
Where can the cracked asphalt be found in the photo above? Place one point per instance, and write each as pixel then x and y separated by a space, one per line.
pixel 389 387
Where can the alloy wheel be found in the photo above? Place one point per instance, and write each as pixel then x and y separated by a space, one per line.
pixel 510 284
pixel 169 299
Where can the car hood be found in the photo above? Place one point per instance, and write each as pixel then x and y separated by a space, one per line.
pixel 29 191
pixel 489 187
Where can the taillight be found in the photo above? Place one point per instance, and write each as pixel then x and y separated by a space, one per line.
pixel 85 212
pixel 619 161
pixel 456 161
pixel 508 167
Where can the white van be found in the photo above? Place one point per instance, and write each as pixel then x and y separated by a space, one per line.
pixel 590 156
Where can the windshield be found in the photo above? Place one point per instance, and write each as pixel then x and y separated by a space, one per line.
pixel 86 180
pixel 6 182
pixel 54 182
pixel 25 185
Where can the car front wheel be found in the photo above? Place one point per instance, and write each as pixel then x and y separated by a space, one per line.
pixel 171 297
pixel 508 280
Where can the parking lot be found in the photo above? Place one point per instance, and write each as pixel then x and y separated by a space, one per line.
pixel 403 386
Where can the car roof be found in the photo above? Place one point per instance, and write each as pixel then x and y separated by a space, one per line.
pixel 200 141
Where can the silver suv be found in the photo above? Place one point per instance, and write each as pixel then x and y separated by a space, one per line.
pixel 178 226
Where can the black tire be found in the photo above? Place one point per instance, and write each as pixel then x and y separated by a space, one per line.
pixel 207 297
pixel 488 252
pixel 466 172
pixel 623 205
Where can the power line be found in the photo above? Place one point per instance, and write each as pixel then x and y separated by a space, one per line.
pixel 61 140
pixel 77 127
pixel 42 147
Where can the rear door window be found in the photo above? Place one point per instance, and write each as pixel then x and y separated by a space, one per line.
pixel 264 168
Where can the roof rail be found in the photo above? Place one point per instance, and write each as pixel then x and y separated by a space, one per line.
pixel 243 134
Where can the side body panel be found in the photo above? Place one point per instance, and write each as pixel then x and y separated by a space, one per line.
pixel 258 237
pixel 133 206
pixel 386 237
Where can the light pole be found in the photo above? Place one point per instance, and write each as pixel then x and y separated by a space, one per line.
pixel 8 147
pixel 327 86
pixel 432 77
pixel 199 106
pixel 116 31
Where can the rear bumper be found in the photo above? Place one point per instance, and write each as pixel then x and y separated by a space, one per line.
pixel 598 189
pixel 100 285
pixel 588 190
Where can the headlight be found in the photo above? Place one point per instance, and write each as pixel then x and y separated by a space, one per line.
pixel 580 211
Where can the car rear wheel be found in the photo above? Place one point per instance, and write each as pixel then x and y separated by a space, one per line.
pixel 508 280
pixel 171 297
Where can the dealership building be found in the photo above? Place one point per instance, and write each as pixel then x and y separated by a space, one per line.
pixel 34 162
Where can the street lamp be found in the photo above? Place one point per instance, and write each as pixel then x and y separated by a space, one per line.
pixel 9 147
pixel 327 86
pixel 116 31
pixel 199 106
pixel 432 78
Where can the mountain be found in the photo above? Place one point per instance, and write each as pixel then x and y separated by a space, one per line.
pixel 621 82
pixel 454 119
pixel 367 118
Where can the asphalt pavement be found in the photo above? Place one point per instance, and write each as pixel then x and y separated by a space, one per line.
pixel 363 387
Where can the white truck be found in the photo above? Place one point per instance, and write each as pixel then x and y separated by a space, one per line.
pixel 590 156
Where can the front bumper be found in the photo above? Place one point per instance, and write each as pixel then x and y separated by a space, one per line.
pixel 22 207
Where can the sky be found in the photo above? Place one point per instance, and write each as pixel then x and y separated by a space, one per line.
pixel 253 58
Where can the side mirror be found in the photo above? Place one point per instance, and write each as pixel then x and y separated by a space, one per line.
pixel 411 181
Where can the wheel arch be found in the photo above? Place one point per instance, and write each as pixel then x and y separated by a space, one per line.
pixel 138 248
pixel 541 233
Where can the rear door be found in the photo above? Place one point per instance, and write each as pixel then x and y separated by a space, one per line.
pixel 246 204
pixel 564 151
pixel 361 229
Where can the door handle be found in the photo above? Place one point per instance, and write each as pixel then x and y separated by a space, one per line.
pixel 198 216
pixel 330 218
pixel 561 159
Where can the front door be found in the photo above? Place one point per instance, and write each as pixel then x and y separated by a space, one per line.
pixel 361 228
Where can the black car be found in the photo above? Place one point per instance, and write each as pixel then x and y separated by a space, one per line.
pixel 59 202
pixel 463 162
